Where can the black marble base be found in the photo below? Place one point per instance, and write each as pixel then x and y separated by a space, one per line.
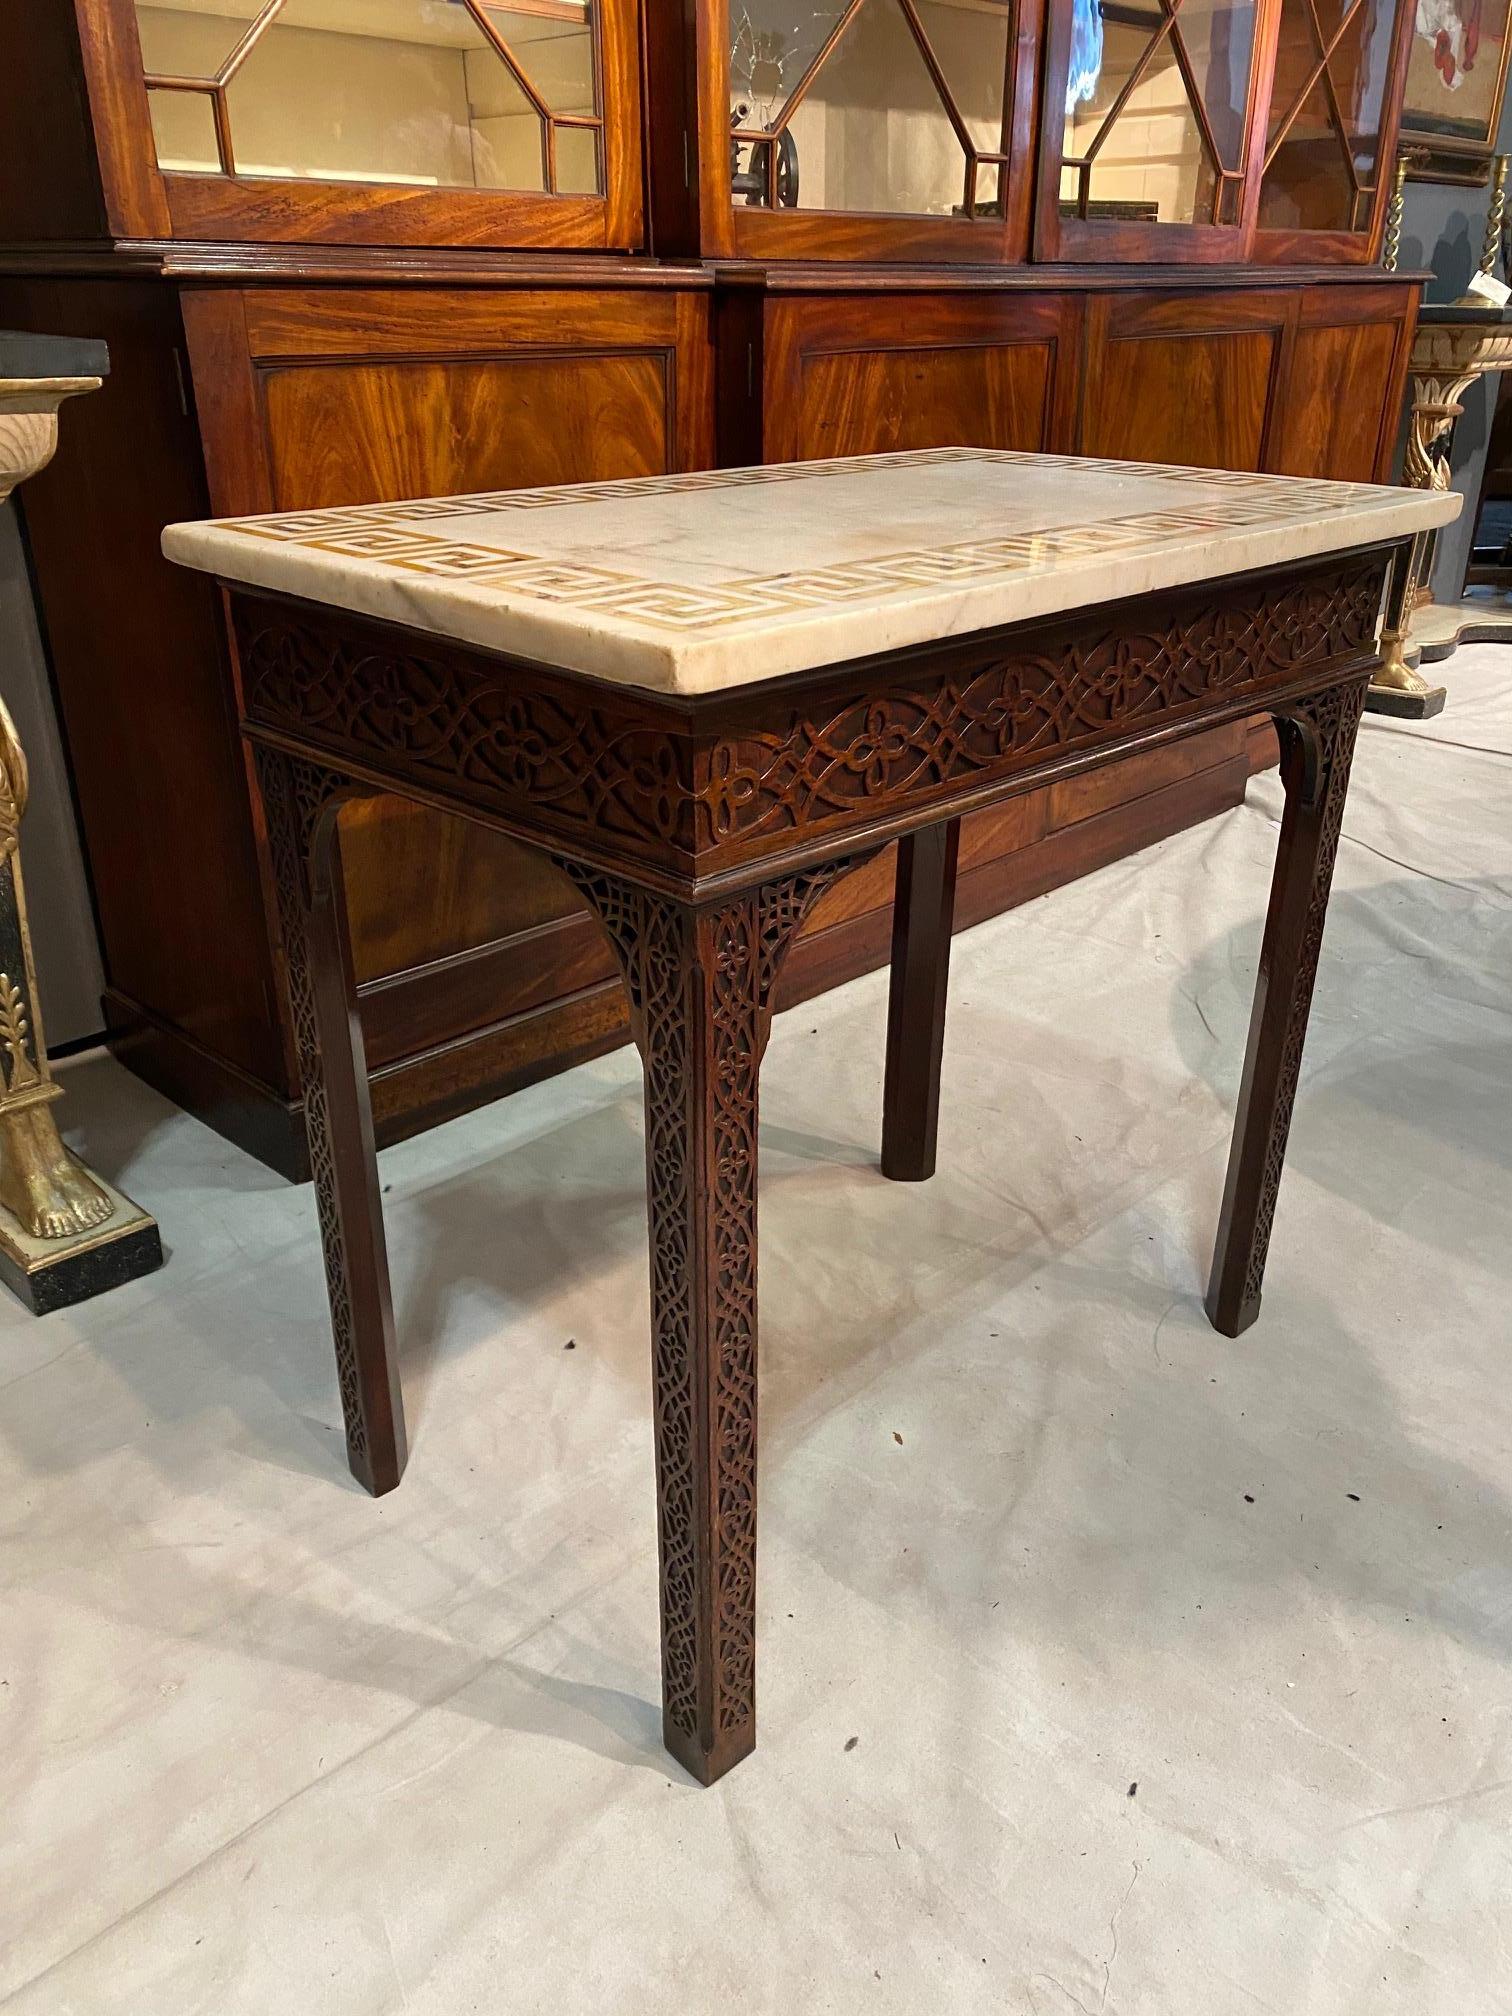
pixel 1470 631
pixel 84 1270
pixel 1405 706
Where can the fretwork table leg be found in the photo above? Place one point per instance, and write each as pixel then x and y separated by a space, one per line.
pixel 1317 744
pixel 302 800
pixel 700 982
pixel 923 910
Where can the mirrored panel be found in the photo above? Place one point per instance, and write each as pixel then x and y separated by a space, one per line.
pixel 1157 98
pixel 883 106
pixel 1322 156
pixel 460 94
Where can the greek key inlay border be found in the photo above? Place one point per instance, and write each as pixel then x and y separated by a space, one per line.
pixel 392 535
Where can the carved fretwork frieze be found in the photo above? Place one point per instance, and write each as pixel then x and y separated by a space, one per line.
pixel 690 788
pixel 913 742
pixel 524 740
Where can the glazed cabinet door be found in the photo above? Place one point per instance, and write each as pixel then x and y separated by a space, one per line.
pixel 854 129
pixel 343 396
pixel 1149 127
pixel 1330 137
pixel 473 122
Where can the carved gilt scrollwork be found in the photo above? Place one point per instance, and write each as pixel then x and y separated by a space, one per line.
pixel 1435 408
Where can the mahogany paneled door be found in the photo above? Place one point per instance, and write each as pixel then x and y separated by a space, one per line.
pixel 1303 382
pixel 869 373
pixel 1343 339
pixel 1183 377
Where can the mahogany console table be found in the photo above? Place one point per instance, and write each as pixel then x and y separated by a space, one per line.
pixel 707 697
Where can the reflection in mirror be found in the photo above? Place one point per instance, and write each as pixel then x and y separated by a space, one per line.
pixel 1323 146
pixel 447 93
pixel 891 106
pixel 1157 96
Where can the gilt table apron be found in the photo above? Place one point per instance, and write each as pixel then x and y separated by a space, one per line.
pixel 708 696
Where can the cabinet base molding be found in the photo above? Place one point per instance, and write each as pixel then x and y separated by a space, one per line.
pixel 242 1109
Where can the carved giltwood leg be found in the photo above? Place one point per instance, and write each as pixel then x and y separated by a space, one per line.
pixel 50 1194
pixel 700 983
pixel 1395 686
pixel 302 802
pixel 923 910
pixel 1317 745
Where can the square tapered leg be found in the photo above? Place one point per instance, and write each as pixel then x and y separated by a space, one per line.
pixel 302 802
pixel 923 916
pixel 700 981
pixel 1317 746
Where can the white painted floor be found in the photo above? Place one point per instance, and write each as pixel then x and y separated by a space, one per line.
pixel 1107 1666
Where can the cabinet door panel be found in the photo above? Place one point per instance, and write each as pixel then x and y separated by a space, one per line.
pixel 1334 104
pixel 1340 397
pixel 1182 379
pixel 374 432
pixel 995 396
pixel 860 378
pixel 1148 148
pixel 1329 423
pixel 368 122
pixel 328 397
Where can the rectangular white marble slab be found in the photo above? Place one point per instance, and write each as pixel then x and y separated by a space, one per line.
pixel 690 584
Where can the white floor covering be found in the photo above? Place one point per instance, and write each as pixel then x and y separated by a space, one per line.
pixel 1107 1666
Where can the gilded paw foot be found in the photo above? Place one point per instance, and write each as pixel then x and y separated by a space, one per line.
pixel 48 1192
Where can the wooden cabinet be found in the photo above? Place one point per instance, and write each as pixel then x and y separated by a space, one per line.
pixel 1266 377
pixel 1344 342
pixel 1183 376
pixel 350 251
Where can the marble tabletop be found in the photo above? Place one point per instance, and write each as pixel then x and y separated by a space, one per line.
pixel 690 584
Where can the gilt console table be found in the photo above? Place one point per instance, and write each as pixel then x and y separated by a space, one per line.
pixel 1455 344
pixel 709 696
